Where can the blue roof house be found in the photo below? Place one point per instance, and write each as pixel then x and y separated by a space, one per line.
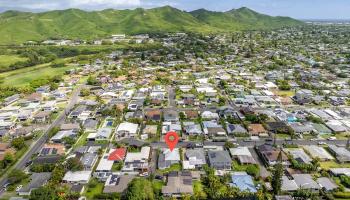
pixel 243 182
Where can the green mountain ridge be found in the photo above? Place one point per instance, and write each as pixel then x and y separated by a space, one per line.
pixel 18 27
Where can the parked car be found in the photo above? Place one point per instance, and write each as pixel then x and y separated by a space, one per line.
pixel 18 188
pixel 332 138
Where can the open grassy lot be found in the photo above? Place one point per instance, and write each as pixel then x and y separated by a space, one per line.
pixel 7 60
pixel 22 77
pixel 282 93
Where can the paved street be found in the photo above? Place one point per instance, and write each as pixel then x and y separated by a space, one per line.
pixel 42 140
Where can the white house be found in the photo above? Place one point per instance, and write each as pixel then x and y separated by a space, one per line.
pixel 77 177
pixel 127 129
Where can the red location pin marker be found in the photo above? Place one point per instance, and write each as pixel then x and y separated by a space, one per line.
pixel 171 139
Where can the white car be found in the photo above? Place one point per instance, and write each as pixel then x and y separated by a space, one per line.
pixel 332 138
pixel 322 143
pixel 18 188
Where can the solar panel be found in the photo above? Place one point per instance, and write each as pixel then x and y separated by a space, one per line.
pixel 187 181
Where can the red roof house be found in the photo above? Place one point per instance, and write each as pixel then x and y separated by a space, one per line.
pixel 117 154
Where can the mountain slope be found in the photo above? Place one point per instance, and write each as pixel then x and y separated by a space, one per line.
pixel 16 27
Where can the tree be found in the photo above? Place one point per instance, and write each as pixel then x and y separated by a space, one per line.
pixel 253 170
pixel 74 164
pixel 43 193
pixel 140 189
pixel 8 159
pixel 57 174
pixel 68 141
pixel 182 116
pixel 277 173
pixel 18 143
pixel 229 145
pixel 214 188
pixel 16 176
pixel 222 101
pixel 85 92
pixel 91 80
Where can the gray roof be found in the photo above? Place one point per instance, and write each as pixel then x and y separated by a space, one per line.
pixel 236 128
pixel 305 181
pixel 117 183
pixel 326 183
pixel 37 180
pixel 219 156
pixel 341 153
pixel 288 185
pixel 89 159
pixel 198 153
pixel 104 132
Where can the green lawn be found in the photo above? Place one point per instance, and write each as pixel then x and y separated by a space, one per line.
pixel 174 167
pixel 81 141
pixel 7 60
pixel 23 76
pixel 238 167
pixel 333 164
pixel 289 93
pixel 92 191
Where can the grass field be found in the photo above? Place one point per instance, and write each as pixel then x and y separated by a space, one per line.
pixel 22 77
pixel 289 93
pixel 7 60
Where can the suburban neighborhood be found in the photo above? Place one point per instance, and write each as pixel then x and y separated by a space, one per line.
pixel 259 115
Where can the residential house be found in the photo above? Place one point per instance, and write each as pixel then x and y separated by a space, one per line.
pixel 219 160
pixel 269 155
pixel 117 155
pixel 210 115
pixel 153 115
pixel 326 183
pixel 340 153
pixel 127 129
pixel 243 182
pixel 300 128
pixel 170 116
pixel 11 99
pixel 37 180
pixel 236 129
pixel 243 155
pixel 77 177
pixel 303 96
pixel 277 127
pixel 52 149
pixel 137 161
pixel 104 167
pixel 305 181
pixel 89 160
pixel 42 116
pixel 257 129
pixel 59 136
pixel 299 155
pixel 192 129
pixel 318 152
pixel 178 184
pixel 116 183
pixel 167 158
pixel 194 159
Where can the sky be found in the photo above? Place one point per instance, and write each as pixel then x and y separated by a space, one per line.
pixel 300 9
